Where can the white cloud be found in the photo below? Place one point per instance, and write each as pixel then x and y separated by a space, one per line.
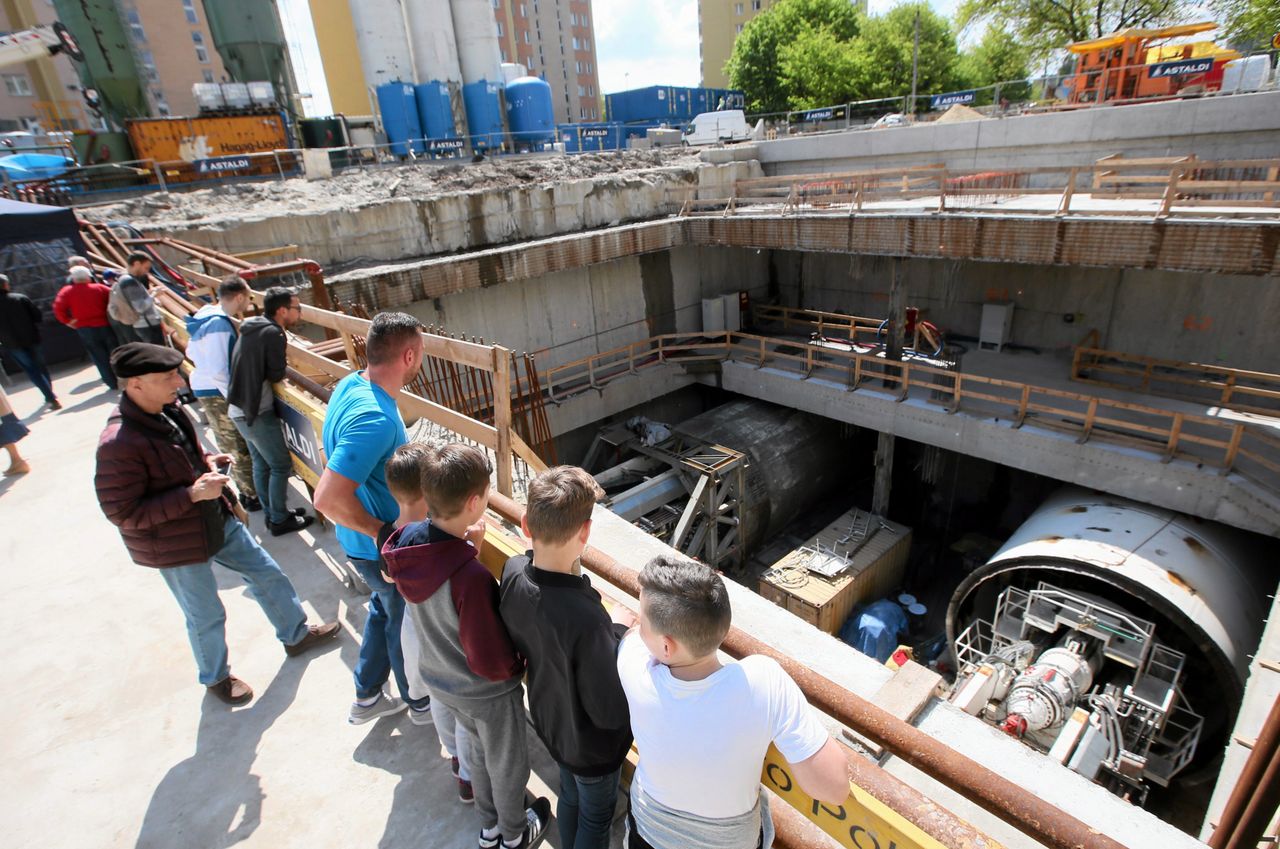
pixel 644 44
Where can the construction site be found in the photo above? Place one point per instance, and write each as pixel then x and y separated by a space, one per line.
pixel 1006 389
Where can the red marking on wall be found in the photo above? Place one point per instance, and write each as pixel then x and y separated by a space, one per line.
pixel 1197 322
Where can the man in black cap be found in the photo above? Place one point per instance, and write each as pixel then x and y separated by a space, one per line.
pixel 170 501
pixel 20 337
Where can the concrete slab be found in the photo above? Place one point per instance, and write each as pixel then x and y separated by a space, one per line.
pixel 111 742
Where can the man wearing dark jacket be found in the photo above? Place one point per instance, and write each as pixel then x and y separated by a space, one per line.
pixel 20 336
pixel 257 362
pixel 159 486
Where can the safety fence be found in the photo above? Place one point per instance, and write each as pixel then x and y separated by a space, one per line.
pixel 1215 444
pixel 1177 186
pixel 1033 95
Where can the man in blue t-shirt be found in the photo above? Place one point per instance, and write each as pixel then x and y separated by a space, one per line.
pixel 362 428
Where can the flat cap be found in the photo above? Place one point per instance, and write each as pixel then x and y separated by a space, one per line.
pixel 138 358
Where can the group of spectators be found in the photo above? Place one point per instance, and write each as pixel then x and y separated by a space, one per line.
pixel 461 645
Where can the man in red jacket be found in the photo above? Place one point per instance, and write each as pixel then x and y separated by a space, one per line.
pixel 82 306
pixel 162 489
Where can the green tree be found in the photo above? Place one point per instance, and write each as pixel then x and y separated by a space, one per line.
pixel 1045 26
pixel 1249 24
pixel 998 58
pixel 882 54
pixel 817 69
pixel 755 66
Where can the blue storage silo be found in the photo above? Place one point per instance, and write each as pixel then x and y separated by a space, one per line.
pixel 483 102
pixel 435 112
pixel 529 113
pixel 400 121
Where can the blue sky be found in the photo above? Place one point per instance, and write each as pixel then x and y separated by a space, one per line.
pixel 656 42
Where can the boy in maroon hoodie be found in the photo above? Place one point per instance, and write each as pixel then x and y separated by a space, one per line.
pixel 465 655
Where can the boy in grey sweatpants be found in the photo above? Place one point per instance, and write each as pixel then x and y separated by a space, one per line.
pixel 465 655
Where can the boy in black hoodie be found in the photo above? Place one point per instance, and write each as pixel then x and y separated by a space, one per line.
pixel 560 627
pixel 465 656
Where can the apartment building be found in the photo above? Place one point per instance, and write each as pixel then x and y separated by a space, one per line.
pixel 719 22
pixel 42 94
pixel 174 49
pixel 555 40
pixel 171 46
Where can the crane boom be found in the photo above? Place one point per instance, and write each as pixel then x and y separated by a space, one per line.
pixel 36 43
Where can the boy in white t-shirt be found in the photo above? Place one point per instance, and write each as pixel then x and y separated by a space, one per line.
pixel 703 725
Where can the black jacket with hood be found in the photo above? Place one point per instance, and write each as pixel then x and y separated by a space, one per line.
pixel 259 356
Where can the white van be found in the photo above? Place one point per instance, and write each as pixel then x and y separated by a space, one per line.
pixel 729 125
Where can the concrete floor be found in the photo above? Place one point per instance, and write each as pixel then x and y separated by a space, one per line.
pixel 110 741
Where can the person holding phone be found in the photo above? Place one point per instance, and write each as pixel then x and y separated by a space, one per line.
pixel 170 500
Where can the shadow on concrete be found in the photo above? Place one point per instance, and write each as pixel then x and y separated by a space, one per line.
pixel 425 793
pixel 105 398
pixel 6 482
pixel 199 801
pixel 87 386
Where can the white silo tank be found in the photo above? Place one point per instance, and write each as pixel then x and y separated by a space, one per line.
pixel 383 44
pixel 477 39
pixel 432 40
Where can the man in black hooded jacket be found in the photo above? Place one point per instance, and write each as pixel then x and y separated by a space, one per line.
pixel 257 362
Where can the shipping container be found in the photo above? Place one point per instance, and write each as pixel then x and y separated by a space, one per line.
pixel 199 138
pixel 583 138
pixel 670 103
pixel 870 555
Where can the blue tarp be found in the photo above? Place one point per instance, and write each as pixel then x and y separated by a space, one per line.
pixel 35 166
pixel 874 630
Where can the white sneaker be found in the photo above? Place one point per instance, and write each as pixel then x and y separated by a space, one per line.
pixel 384 706
pixel 421 717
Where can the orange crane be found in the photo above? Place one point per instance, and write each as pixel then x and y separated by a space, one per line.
pixel 1142 63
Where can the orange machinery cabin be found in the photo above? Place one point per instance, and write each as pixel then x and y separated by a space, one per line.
pixel 1132 63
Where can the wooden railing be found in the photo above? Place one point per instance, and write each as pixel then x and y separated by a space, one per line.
pixel 498 437
pixel 1220 443
pixel 1236 389
pixel 818 321
pixel 1180 184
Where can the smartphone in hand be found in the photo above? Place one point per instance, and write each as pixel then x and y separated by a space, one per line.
pixel 223 468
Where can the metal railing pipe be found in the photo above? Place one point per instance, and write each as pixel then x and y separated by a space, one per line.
pixel 984 787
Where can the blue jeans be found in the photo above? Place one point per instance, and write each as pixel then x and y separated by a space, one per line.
pixel 380 653
pixel 585 809
pixel 100 342
pixel 32 362
pixel 271 463
pixel 196 590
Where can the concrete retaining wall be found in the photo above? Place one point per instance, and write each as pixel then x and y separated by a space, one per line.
pixel 1237 127
pixel 420 227
pixel 1209 318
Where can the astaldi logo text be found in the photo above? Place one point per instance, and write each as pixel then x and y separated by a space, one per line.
pixel 445 144
pixel 217 166
pixel 1174 69
pixel 941 100
pixel 595 133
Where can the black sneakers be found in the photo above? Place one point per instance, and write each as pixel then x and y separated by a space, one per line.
pixel 289 525
pixel 537 816
pixel 250 503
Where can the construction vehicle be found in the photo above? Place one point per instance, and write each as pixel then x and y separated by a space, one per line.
pixel 37 43
pixel 1145 63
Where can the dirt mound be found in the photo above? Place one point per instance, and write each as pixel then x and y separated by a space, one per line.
pixel 361 187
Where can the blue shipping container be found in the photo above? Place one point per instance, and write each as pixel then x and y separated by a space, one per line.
pixel 584 138
pixel 483 103
pixel 669 103
pixel 400 121
pixel 435 112
pixel 530 115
